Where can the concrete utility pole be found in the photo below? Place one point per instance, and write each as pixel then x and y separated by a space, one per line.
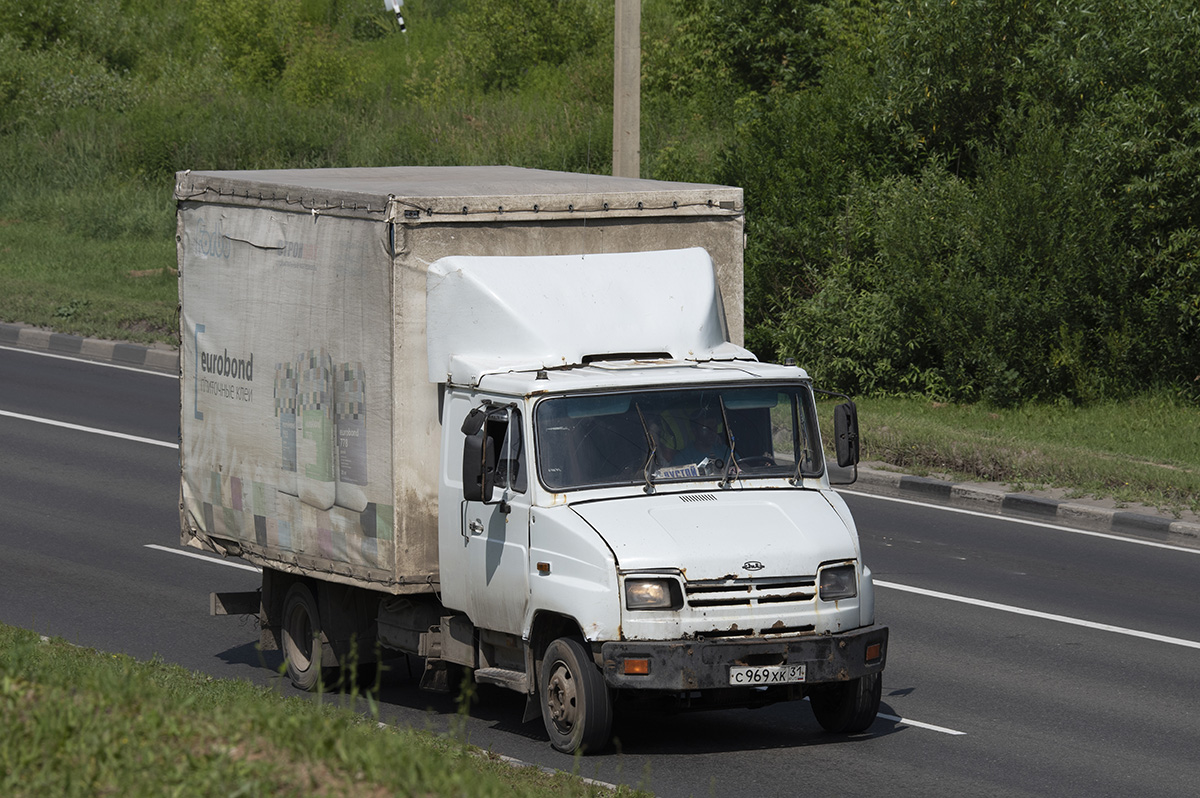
pixel 627 89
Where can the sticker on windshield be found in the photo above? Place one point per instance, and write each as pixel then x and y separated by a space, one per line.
pixel 704 468
pixel 679 472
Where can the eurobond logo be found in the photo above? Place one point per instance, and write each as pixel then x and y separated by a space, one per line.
pixel 753 565
pixel 223 365
pixel 229 373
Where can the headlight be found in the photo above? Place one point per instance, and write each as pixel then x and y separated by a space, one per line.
pixel 652 594
pixel 839 582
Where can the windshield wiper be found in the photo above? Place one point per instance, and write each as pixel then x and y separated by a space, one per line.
pixel 732 467
pixel 652 453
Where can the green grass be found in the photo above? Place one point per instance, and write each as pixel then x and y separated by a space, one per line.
pixel 1141 451
pixel 81 722
pixel 72 282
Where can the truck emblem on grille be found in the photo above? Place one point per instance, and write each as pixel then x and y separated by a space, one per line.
pixel 753 565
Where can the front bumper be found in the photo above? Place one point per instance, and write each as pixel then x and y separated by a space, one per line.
pixel 676 665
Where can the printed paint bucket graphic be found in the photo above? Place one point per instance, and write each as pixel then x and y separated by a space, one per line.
pixel 316 449
pixel 350 417
pixel 285 411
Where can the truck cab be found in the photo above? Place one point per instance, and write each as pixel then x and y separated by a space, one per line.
pixel 646 525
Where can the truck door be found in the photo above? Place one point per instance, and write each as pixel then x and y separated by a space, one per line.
pixel 496 531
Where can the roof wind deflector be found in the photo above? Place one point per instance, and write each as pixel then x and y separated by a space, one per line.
pixel 626 356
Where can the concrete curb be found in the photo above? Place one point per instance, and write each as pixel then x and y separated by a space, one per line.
pixel 965 495
pixel 153 357
pixel 993 501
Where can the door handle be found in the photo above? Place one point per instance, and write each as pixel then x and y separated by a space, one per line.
pixel 476 527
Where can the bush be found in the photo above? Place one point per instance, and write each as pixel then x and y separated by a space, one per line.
pixel 253 36
pixel 1019 221
pixel 96 27
pixel 1015 285
pixel 37 85
pixel 753 45
pixel 321 68
pixel 796 155
pixel 503 39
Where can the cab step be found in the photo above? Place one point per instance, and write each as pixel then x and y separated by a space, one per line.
pixel 503 677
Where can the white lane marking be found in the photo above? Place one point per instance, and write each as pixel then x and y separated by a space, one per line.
pixel 204 557
pixel 57 356
pixel 1026 522
pixel 991 605
pixel 93 430
pixel 920 725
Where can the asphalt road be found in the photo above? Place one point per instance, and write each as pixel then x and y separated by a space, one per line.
pixel 1096 695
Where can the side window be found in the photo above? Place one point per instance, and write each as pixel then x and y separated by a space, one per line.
pixel 505 429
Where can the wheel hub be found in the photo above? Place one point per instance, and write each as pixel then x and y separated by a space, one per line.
pixel 562 697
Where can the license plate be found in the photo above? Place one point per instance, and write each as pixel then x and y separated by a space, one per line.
pixel 749 675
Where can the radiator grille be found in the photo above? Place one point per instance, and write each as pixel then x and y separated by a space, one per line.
pixel 750 592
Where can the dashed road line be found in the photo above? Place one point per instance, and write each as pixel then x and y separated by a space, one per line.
pixel 918 724
pixel 93 430
pixel 204 557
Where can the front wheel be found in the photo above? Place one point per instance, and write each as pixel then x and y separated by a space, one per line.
pixel 576 704
pixel 848 707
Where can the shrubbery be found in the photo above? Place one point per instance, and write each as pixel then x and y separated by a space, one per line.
pixel 974 200
pixel 980 199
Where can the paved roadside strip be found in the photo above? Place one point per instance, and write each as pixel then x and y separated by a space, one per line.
pixel 988 499
pixel 154 357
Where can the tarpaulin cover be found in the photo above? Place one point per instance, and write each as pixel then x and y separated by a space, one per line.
pixel 286 386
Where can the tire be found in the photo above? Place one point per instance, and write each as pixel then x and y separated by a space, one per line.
pixel 303 642
pixel 576 703
pixel 849 707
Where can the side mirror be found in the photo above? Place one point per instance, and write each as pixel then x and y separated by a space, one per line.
pixel 479 467
pixel 845 434
pixel 474 421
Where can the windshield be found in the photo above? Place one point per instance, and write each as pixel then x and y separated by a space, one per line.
pixel 642 437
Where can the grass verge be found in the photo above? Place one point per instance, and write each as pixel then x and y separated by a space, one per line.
pixel 120 289
pixel 81 722
pixel 1142 451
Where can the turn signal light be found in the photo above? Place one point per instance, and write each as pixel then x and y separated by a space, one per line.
pixel 874 652
pixel 637 667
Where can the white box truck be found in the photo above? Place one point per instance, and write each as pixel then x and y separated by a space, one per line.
pixel 498 419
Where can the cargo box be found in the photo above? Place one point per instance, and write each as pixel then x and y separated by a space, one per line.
pixel 310 433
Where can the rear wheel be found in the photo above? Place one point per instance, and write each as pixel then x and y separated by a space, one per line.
pixel 576 704
pixel 848 707
pixel 303 648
